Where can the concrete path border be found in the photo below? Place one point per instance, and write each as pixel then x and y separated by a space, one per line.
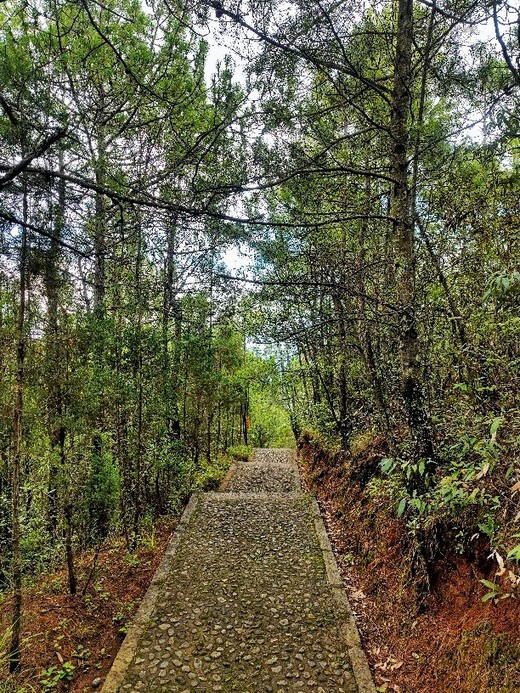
pixel 347 622
pixel 128 648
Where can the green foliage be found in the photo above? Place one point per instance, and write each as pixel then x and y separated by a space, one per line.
pixel 463 492
pixel 269 418
pixel 51 677
pixel 123 617
pixel 494 590
pixel 210 474
pixel 241 453
pixel 102 494
pixel 514 553
pixel 136 378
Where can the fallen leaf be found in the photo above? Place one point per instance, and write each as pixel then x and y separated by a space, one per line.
pixel 500 562
pixel 483 471
pixel 515 487
pixel 358 594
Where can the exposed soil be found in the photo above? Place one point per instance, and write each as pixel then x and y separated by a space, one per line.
pixel 451 642
pixel 86 631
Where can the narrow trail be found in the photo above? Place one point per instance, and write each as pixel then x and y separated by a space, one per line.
pixel 248 597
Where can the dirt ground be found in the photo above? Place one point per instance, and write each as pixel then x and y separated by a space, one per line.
pixel 79 636
pixel 450 643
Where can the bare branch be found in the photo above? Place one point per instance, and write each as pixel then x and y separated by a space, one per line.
pixel 514 71
pixel 42 232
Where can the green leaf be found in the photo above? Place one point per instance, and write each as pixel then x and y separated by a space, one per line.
pixel 488 596
pixel 495 425
pixel 401 507
pixel 387 464
pixel 514 554
pixel 492 585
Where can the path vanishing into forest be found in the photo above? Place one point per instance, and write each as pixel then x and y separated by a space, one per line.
pixel 248 597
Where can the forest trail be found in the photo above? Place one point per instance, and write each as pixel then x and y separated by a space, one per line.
pixel 248 597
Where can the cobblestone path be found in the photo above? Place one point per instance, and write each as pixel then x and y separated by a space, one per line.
pixel 244 601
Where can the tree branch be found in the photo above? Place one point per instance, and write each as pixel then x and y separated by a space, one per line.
pixel 514 71
pixel 42 232
pixel 18 168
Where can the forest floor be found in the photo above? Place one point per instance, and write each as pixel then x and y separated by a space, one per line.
pixel 453 644
pixel 84 631
pixel 450 643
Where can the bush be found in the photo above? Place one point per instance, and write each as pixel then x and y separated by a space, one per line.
pixel 239 452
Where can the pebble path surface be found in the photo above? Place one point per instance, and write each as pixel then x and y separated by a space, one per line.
pixel 246 605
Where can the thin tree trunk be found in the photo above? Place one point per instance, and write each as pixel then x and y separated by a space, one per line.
pixel 209 424
pixel 68 546
pixel 138 374
pixel 457 322
pixel 139 460
pixel 345 424
pixel 219 426
pixel 57 432
pixel 246 417
pixel 99 243
pixel 364 330
pixel 99 239
pixel 171 306
pixel 14 654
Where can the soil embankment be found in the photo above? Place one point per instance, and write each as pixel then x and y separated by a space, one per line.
pixel 448 641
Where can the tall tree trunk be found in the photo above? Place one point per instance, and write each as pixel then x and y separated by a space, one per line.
pixel 322 383
pixel 57 431
pixel 457 320
pixel 14 654
pixel 412 386
pixel 99 243
pixel 138 375
pixel 365 337
pixel 245 417
pixel 171 306
pixel 209 426
pixel 99 239
pixel 69 555
pixel 345 424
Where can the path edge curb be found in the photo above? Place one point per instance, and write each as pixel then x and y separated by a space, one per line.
pixel 116 674
pixel 227 478
pixel 348 627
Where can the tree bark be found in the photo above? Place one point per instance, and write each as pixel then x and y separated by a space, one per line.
pixel 171 306
pixel 138 377
pixel 57 432
pixel 412 386
pixel 344 424
pixel 365 337
pixel 21 339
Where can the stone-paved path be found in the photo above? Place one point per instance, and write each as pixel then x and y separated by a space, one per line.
pixel 248 598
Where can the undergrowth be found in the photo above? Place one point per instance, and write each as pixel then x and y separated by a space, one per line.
pixel 441 591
